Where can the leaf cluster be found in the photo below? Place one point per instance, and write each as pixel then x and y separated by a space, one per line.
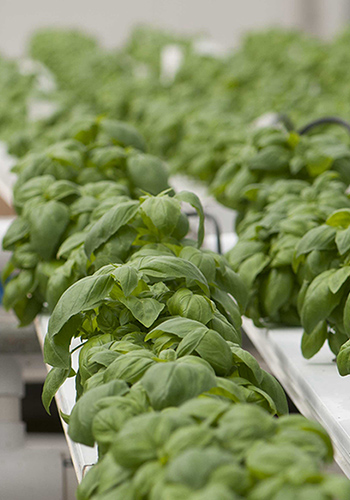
pixel 204 448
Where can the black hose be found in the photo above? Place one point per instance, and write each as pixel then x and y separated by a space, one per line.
pixel 328 120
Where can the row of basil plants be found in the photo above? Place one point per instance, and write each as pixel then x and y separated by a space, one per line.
pixel 177 407
pixel 294 233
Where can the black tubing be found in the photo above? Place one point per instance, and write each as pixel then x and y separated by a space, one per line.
pixel 328 120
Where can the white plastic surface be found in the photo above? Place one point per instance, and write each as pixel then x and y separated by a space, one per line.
pixel 7 178
pixel 171 58
pixel 82 456
pixel 314 385
pixel 5 223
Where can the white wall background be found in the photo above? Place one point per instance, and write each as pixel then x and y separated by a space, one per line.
pixel 111 20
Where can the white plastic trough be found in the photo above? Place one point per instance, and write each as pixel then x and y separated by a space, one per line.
pixel 82 456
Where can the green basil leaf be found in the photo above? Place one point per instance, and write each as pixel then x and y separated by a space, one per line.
pixel 163 212
pixel 312 342
pixel 194 201
pixel 71 243
pixel 18 230
pixel 109 224
pixel 267 459
pixel 230 282
pixel 146 476
pixel 279 286
pixel 346 316
pixel 56 348
pixel 142 438
pixel 23 257
pixel 48 223
pixel 337 486
pixel 178 326
pixel 127 278
pixel 209 344
pixel 189 305
pixel 123 134
pixel 148 173
pixel 319 301
pixel 117 249
pixel 337 279
pixel 342 240
pixel 109 421
pixel 84 411
pixel 274 389
pixel 193 467
pixel 168 268
pixel 61 189
pixel 203 260
pixel 18 288
pixel 190 342
pixel 220 324
pixel 271 159
pixel 336 340
pixel 54 379
pixel 229 306
pixel 242 251
pixel 130 367
pixel 108 156
pixel 216 351
pixel 343 359
pixel 27 309
pixel 59 281
pixel 319 238
pixel 248 366
pixel 32 188
pixel 84 204
pixel 233 476
pixel 85 294
pixel 173 383
pixel 145 310
pixel 339 218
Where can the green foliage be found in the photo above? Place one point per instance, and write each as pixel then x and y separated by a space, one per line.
pixel 177 408
pixel 284 241
pixel 184 453
pixel 68 228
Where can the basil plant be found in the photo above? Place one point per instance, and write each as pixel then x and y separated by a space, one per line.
pixel 152 316
pixel 269 234
pixel 270 154
pixel 69 231
pixel 323 301
pixel 60 194
pixel 204 448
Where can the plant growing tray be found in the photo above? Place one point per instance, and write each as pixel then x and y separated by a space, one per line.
pixel 82 456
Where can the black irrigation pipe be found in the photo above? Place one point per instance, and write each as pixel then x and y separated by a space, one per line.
pixel 216 227
pixel 284 120
pixel 328 120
